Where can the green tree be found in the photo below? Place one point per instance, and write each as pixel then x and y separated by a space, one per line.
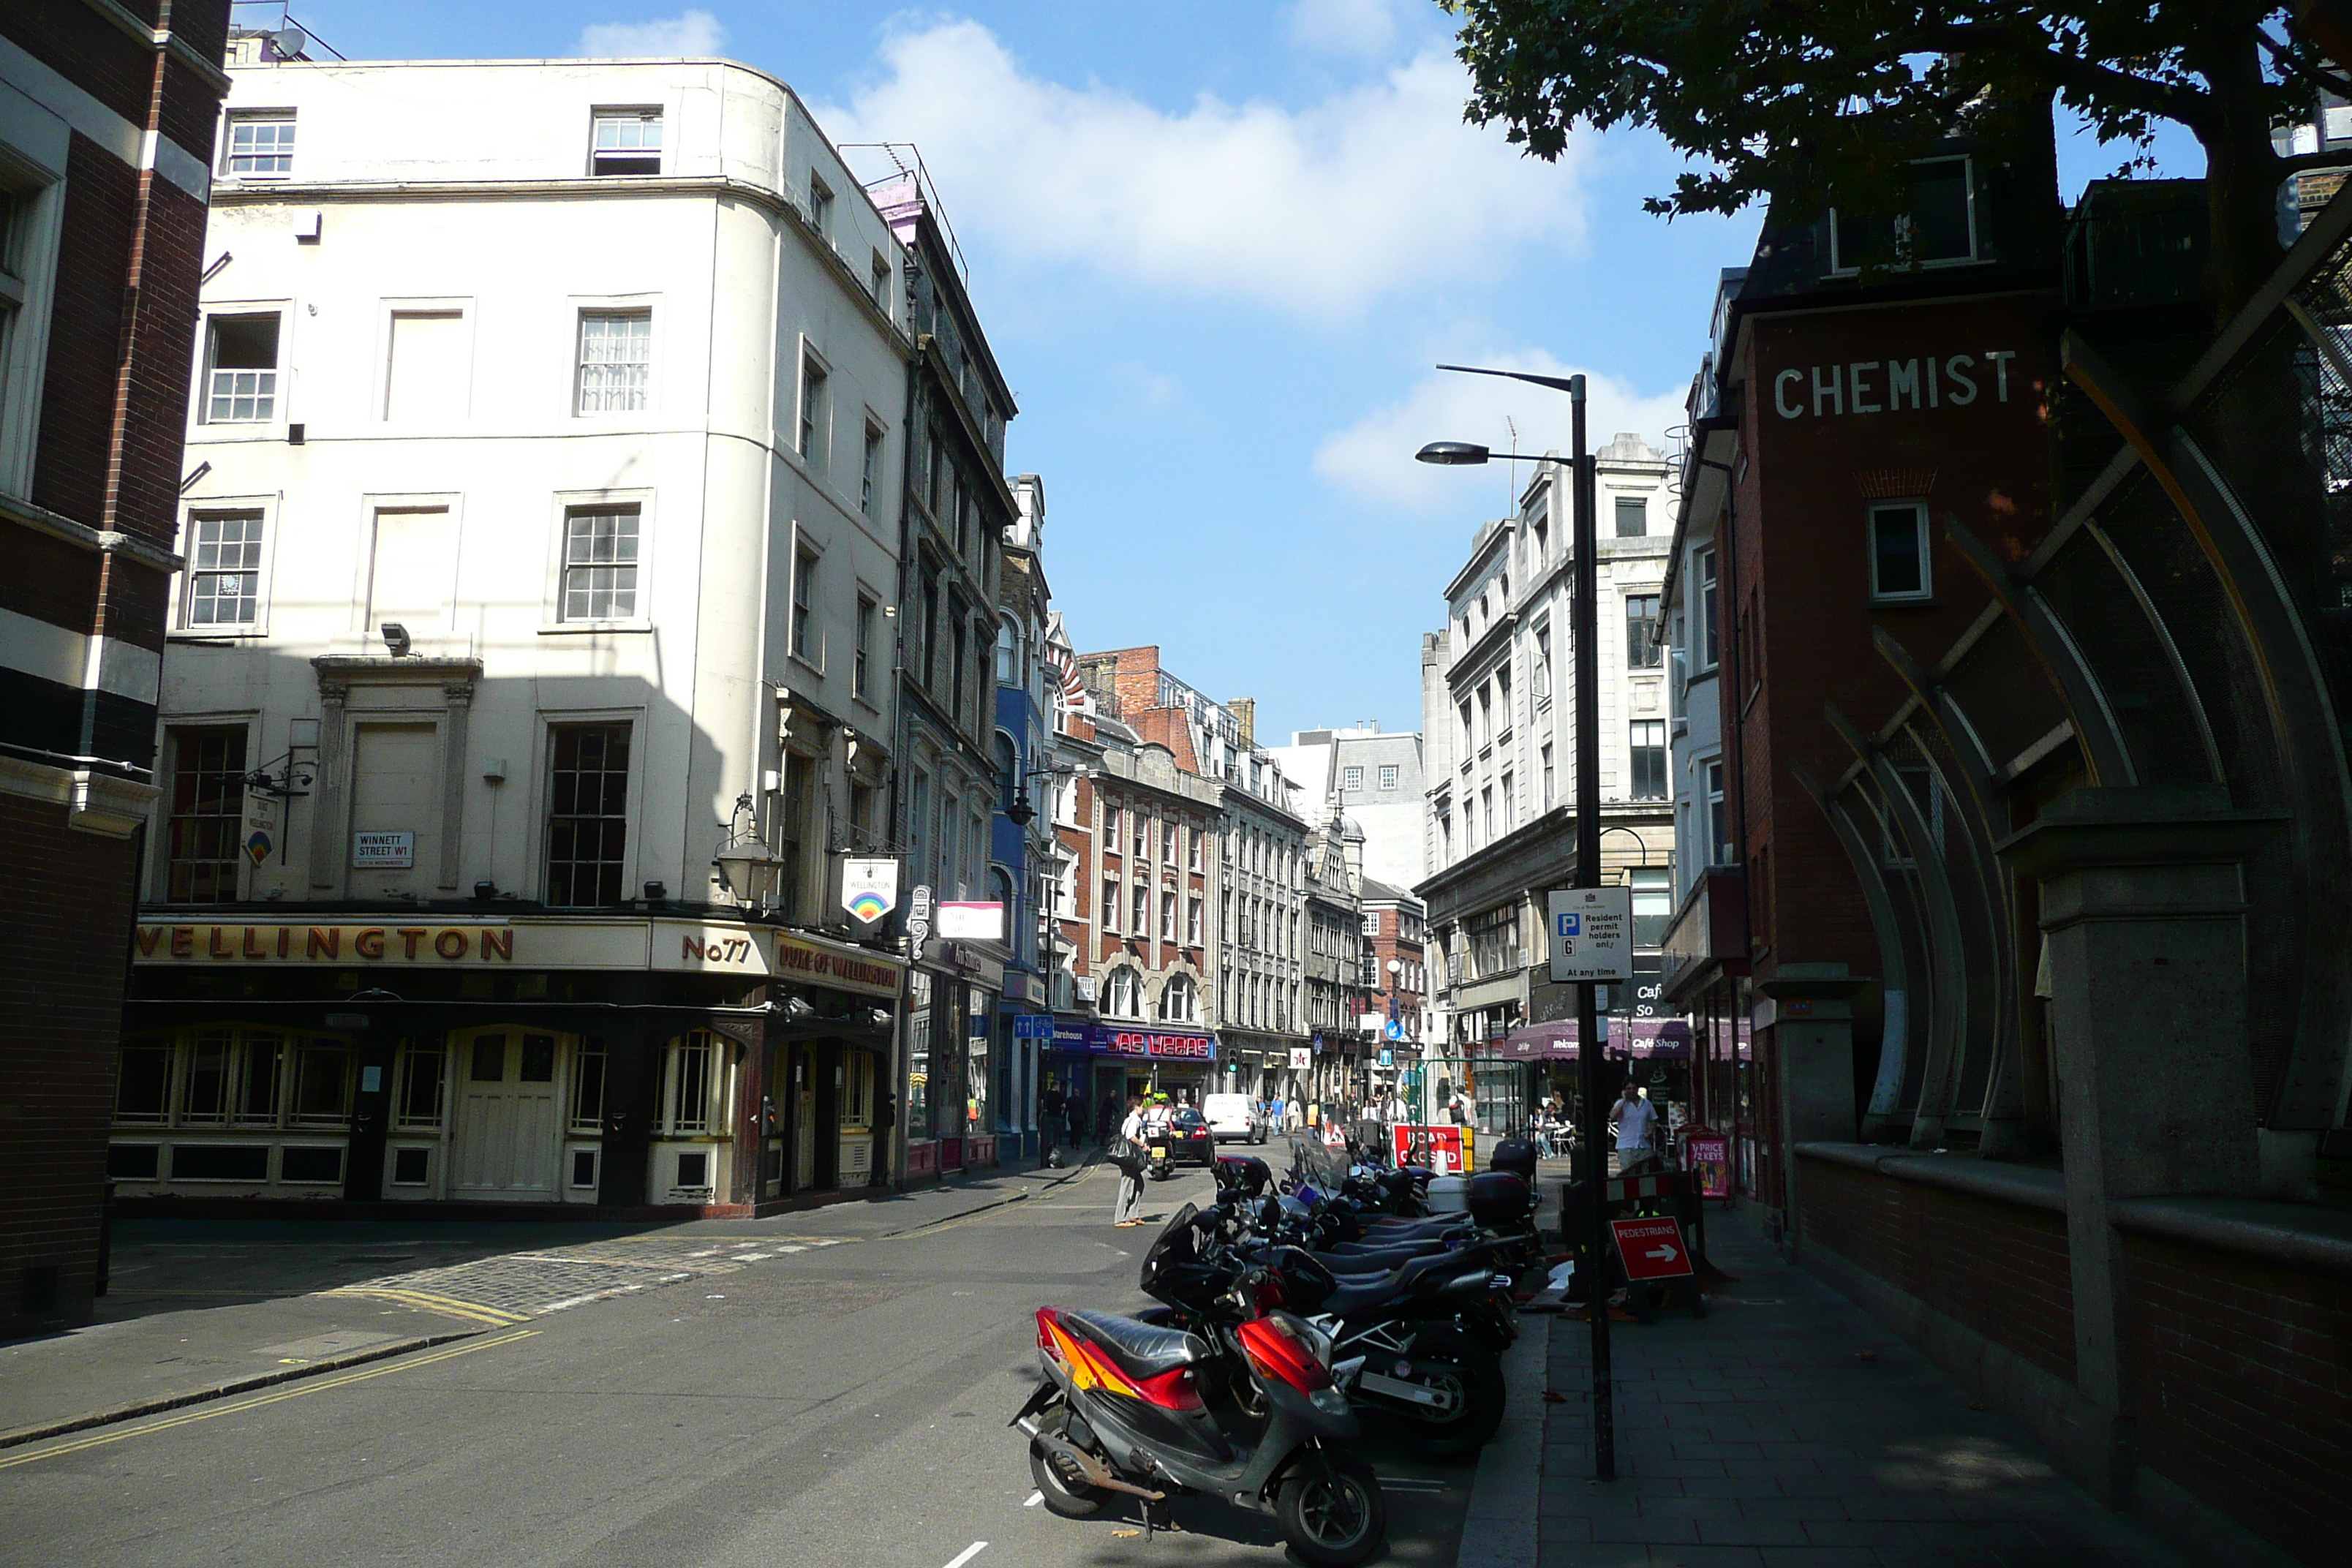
pixel 1796 100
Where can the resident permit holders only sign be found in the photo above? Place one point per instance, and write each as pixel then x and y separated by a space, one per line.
pixel 1592 933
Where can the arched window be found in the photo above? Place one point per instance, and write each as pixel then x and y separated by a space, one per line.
pixel 1008 769
pixel 1123 994
pixel 1008 653
pixel 1180 1002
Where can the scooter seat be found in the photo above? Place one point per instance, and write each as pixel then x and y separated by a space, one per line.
pixel 1354 1295
pixel 1142 1350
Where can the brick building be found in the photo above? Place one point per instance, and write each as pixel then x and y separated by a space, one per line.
pixel 1395 925
pixel 106 155
pixel 2023 967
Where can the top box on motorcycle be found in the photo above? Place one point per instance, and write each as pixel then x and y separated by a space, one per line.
pixel 1449 1195
pixel 1514 1155
pixel 1500 1200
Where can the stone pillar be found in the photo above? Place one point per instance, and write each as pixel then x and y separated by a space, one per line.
pixel 327 797
pixel 2143 902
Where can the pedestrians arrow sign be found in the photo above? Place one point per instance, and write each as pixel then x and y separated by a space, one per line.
pixel 1652 1248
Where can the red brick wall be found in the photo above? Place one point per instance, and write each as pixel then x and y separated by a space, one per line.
pixel 60 999
pixel 1998 1269
pixel 2244 1387
pixel 1797 590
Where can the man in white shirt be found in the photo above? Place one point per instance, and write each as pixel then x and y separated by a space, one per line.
pixel 1636 1121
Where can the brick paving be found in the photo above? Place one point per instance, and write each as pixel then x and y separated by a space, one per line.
pixel 1791 1430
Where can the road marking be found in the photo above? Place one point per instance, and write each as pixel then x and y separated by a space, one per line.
pixel 495 1316
pixel 290 1390
pixel 967 1555
pixel 1035 1499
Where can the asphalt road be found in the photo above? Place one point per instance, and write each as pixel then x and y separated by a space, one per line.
pixel 838 1404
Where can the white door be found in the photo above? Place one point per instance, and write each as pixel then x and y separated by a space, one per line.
pixel 509 1133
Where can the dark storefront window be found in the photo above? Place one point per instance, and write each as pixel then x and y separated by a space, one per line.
pixel 918 1055
pixel 587 812
pixel 588 1090
pixel 420 1087
pixel 323 1085
pixel 143 1083
pixel 207 816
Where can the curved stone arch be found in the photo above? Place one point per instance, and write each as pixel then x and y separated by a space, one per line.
pixel 2307 741
pixel 1883 1107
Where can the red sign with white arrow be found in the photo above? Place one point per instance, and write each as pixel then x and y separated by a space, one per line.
pixel 1652 1248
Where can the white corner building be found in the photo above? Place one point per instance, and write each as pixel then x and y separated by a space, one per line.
pixel 541 532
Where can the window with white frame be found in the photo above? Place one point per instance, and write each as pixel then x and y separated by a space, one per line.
pixel 625 142
pixel 224 570
pixel 1898 552
pixel 1123 994
pixel 861 678
pixel 1388 775
pixel 1641 648
pixel 1716 826
pixel 1706 610
pixel 687 1083
pixel 1352 779
pixel 260 145
pixel 812 420
pixel 804 643
pixel 616 356
pixel 600 563
pixel 1935 226
pixel 241 369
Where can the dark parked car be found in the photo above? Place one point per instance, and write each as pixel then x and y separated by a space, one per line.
pixel 1191 1143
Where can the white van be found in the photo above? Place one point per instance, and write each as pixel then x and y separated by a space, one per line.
pixel 1233 1116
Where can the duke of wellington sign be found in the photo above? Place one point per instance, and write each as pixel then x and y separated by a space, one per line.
pixel 690 946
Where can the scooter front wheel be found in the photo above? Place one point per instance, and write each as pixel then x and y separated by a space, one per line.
pixel 1331 1511
pixel 1070 1499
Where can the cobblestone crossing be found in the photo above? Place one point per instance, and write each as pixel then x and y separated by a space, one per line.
pixel 516 1287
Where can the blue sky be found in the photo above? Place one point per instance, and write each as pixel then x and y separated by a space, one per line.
pixel 1218 248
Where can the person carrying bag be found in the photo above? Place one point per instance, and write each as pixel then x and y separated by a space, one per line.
pixel 1127 1152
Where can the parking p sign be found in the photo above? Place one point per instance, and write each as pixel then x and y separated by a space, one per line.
pixel 1592 933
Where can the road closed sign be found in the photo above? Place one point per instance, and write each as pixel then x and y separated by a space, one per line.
pixel 1592 933
pixel 1652 1248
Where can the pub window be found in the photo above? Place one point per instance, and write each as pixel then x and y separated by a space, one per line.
pixel 207 815
pixel 537 1059
pixel 857 1089
pixel 258 1072
pixel 204 1086
pixel 420 1087
pixel 587 820
pixel 588 1090
pixel 411 1167
pixel 686 1101
pixel 1898 552
pixel 322 1082
pixel 142 1082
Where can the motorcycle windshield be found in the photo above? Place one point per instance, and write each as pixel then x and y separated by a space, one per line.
pixel 1174 1243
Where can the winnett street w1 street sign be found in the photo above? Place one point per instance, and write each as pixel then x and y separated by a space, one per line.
pixel 1652 1248
pixel 1592 933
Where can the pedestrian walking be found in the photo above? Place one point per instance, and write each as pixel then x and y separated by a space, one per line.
pixel 1127 1208
pixel 1635 1120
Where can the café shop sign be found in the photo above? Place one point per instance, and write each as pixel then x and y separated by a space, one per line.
pixel 692 946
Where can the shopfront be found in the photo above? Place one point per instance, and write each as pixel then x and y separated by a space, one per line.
pixel 1120 1061
pixel 952 1040
pixel 558 1061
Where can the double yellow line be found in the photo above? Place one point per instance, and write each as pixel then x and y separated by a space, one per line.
pixel 473 1311
pixel 290 1390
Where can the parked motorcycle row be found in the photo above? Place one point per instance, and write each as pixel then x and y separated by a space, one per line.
pixel 1293 1321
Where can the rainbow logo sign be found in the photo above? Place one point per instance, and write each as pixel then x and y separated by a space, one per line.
pixel 869 889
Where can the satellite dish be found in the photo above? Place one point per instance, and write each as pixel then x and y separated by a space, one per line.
pixel 289 42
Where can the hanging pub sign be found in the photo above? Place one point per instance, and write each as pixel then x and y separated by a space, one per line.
pixel 869 888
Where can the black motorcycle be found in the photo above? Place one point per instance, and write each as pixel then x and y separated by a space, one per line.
pixel 1122 1412
pixel 1415 1342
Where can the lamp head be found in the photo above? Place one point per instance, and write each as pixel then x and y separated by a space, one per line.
pixel 1453 453
pixel 1021 814
pixel 396 637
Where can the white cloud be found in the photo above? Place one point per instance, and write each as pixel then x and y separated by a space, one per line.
pixel 1374 458
pixel 1364 29
pixel 1316 211
pixel 689 34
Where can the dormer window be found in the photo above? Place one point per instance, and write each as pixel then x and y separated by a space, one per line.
pixel 626 141
pixel 1936 227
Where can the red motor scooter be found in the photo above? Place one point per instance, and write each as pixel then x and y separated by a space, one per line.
pixel 1120 1412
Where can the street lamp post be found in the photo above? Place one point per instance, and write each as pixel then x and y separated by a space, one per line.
pixel 1583 621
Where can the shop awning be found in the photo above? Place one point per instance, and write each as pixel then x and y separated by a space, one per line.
pixel 1661 1039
